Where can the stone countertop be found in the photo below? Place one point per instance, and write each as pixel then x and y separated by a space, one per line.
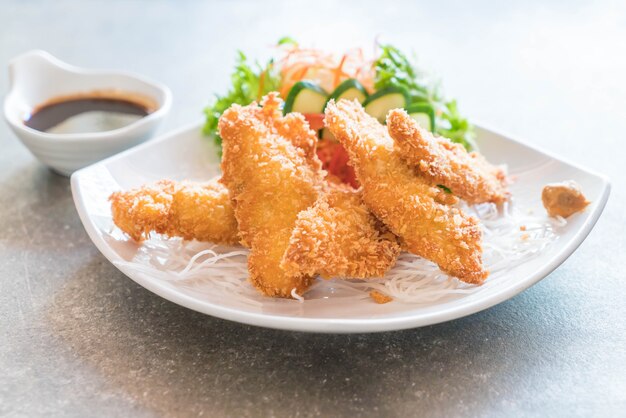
pixel 77 338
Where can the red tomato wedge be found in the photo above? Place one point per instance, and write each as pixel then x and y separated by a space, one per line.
pixel 316 120
pixel 334 159
pixel 333 155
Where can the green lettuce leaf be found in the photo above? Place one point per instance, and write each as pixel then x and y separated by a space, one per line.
pixel 249 82
pixel 393 68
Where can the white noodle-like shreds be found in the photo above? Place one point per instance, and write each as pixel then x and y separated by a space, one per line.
pixel 296 296
pixel 510 237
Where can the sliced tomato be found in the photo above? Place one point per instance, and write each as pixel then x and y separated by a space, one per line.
pixel 316 120
pixel 335 159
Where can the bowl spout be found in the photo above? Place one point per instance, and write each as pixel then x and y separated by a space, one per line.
pixel 34 68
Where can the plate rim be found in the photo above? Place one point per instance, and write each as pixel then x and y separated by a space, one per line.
pixel 333 325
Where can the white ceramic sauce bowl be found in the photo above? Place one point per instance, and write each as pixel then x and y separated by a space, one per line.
pixel 37 77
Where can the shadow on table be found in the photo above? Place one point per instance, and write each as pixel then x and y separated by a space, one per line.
pixel 178 362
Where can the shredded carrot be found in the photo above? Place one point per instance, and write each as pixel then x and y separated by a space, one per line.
pixel 293 77
pixel 338 72
pixel 325 68
pixel 302 73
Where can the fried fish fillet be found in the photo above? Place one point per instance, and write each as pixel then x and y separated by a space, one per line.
pixel 270 168
pixel 199 211
pixel 339 237
pixel 412 209
pixel 468 175
pixel 336 237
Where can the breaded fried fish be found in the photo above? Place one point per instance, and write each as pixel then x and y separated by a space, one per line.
pixel 339 237
pixel 270 168
pixel 412 209
pixel 199 211
pixel 468 175
pixel 336 237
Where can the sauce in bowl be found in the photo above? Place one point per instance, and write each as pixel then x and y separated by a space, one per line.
pixel 96 111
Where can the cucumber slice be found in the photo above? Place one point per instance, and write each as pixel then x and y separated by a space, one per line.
pixel 350 89
pixel 305 97
pixel 381 102
pixel 424 114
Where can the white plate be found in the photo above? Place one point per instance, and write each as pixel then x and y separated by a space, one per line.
pixel 185 154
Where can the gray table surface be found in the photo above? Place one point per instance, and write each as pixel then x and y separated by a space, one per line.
pixel 77 338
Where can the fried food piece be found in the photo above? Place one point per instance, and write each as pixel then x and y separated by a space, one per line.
pixel 441 161
pixel 412 209
pixel 379 297
pixel 339 237
pixel 563 199
pixel 272 173
pixel 200 211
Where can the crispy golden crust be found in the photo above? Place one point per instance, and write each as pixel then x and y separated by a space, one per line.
pixel 407 204
pixel 272 173
pixel 339 237
pixel 441 161
pixel 199 211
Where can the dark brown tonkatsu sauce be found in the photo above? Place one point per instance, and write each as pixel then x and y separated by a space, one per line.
pixel 83 114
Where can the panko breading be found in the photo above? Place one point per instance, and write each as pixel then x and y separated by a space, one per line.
pixel 468 175
pixel 339 237
pixel 412 209
pixel 199 211
pixel 270 168
pixel 379 297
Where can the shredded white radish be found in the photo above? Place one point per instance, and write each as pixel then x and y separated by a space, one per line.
pixel 511 237
pixel 296 296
